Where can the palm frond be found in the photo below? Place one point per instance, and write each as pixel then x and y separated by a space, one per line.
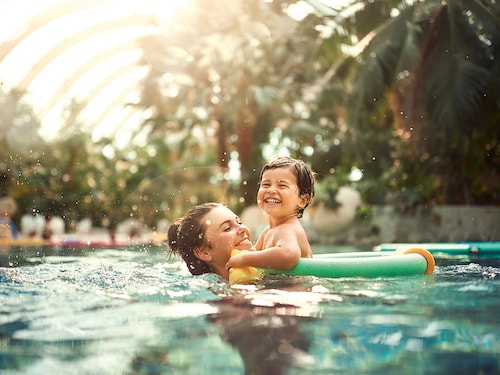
pixel 391 51
pixel 455 71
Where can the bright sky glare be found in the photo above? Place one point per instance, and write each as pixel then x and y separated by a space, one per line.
pixel 59 60
pixel 86 50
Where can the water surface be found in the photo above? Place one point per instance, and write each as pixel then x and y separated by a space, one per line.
pixel 133 311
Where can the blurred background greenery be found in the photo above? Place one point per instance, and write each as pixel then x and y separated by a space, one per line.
pixel 397 99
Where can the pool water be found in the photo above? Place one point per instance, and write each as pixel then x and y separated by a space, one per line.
pixel 133 311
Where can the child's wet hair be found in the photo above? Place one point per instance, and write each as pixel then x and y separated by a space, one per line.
pixel 304 174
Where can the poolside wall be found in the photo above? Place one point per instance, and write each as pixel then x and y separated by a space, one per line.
pixel 423 224
pixel 389 224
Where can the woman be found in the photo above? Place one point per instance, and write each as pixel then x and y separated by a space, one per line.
pixel 205 237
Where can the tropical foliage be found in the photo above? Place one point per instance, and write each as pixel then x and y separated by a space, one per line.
pixel 403 92
pixel 430 76
pixel 232 74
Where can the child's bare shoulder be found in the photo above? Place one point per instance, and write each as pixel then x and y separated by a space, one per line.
pixel 288 229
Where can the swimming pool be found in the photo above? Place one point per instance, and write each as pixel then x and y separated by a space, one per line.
pixel 132 311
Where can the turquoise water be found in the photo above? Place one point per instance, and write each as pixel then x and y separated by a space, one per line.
pixel 112 311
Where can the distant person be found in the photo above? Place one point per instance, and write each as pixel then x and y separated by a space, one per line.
pixel 47 231
pixel 286 187
pixel 8 208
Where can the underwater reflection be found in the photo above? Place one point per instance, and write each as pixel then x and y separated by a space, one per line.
pixel 267 323
pixel 270 339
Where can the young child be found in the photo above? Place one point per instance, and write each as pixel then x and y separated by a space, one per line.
pixel 286 188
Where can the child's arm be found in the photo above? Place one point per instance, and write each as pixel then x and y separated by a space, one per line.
pixel 284 255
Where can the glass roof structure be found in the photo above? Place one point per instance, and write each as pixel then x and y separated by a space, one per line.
pixel 88 51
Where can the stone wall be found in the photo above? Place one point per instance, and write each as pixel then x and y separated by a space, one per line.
pixel 425 224
pixel 387 224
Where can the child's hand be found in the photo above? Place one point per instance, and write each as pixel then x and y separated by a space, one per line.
pixel 236 259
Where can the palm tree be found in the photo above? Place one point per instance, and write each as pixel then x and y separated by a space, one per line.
pixel 232 73
pixel 434 65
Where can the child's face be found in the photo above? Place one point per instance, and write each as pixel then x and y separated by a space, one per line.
pixel 278 193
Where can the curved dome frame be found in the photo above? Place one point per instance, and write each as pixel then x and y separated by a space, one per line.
pixel 86 63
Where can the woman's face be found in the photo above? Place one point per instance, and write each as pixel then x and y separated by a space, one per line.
pixel 224 232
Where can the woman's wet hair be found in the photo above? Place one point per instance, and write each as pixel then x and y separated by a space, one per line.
pixel 305 176
pixel 187 233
